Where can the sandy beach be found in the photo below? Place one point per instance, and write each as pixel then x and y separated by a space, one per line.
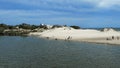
pixel 85 35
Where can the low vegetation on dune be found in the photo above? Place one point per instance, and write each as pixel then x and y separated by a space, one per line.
pixel 75 27
pixel 25 28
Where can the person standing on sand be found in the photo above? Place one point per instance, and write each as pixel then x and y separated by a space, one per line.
pixel 68 37
pixel 112 37
pixel 117 38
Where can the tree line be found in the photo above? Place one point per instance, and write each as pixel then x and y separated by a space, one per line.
pixel 31 27
pixel 14 30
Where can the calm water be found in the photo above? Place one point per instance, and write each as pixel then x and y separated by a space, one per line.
pixel 32 52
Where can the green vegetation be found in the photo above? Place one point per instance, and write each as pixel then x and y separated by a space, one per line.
pixel 43 26
pixel 56 26
pixel 27 26
pixel 21 29
pixel 75 27
pixel 3 27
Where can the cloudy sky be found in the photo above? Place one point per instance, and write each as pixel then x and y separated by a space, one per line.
pixel 85 13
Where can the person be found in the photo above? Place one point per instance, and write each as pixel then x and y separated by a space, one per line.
pixel 47 37
pixel 112 37
pixel 56 39
pixel 107 38
pixel 68 38
pixel 117 38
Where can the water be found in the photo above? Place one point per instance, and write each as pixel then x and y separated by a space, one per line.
pixel 32 52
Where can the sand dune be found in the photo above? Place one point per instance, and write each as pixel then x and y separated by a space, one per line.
pixel 85 35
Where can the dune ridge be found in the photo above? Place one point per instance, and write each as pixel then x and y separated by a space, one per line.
pixel 85 35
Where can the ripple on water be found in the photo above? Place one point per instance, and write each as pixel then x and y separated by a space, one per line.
pixel 32 52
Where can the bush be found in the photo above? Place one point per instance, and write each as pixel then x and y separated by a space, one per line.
pixel 75 27
pixel 43 26
pixel 4 26
pixel 11 27
pixel 25 26
pixel 34 27
pixel 2 29
pixel 56 26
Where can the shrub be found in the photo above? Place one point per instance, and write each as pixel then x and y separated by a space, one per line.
pixel 25 26
pixel 43 26
pixel 75 27
pixel 56 26
pixel 4 26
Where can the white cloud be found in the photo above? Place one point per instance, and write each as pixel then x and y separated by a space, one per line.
pixel 109 3
pixel 104 3
pixel 67 3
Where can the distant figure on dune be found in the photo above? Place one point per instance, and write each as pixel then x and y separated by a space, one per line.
pixel 69 38
pixel 56 39
pixel 47 37
pixel 118 38
pixel 112 37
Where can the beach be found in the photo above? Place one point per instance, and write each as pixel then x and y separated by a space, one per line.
pixel 107 36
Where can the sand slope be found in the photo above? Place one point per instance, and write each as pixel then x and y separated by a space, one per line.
pixel 86 35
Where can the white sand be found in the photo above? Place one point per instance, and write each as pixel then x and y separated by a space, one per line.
pixel 86 35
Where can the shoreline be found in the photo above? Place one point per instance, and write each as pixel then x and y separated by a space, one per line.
pixel 83 41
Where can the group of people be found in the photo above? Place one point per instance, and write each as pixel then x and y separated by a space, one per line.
pixel 113 38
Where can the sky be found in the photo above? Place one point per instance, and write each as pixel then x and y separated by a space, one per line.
pixel 84 13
